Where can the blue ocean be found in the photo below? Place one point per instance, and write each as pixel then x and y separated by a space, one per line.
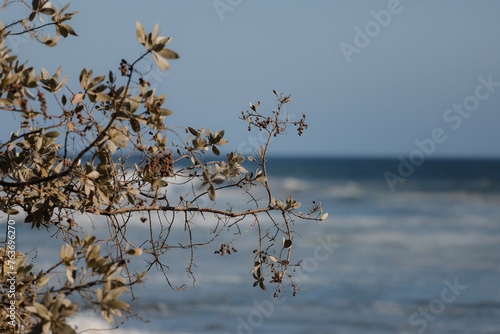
pixel 416 255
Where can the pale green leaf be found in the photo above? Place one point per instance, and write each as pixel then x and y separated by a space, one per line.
pixel 52 134
pixel 102 97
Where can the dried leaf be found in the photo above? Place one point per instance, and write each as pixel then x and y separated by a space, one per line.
pixel 161 62
pixel 135 252
pixel 44 280
pixel 141 32
pixel 12 212
pixel 93 175
pixel 77 98
pixel 168 54
pixel 211 192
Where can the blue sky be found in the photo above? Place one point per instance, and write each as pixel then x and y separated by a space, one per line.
pixel 396 89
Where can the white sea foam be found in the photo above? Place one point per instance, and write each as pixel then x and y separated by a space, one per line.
pixel 291 184
pixel 394 251
pixel 93 323
pixel 349 190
